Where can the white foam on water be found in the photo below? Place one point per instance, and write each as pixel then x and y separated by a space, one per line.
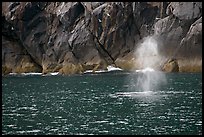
pixel 54 73
pixel 11 125
pixel 13 73
pixel 29 131
pixel 31 73
pixel 145 96
pixel 26 108
pixel 51 74
pixel 132 94
pixel 100 71
pixel 35 73
pixel 97 71
pixel 88 71
pixel 145 70
pixel 102 121
pixel 111 68
pixel 122 122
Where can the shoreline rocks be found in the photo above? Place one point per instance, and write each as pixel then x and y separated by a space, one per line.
pixel 72 37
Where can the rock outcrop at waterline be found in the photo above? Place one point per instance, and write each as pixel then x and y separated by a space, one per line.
pixel 71 37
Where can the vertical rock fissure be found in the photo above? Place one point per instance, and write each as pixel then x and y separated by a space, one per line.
pixel 102 47
pixel 87 24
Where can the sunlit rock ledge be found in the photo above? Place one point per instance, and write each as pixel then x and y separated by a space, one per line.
pixel 129 63
pixel 108 69
pixel 194 65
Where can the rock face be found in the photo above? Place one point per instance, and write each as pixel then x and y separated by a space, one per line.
pixel 181 32
pixel 71 37
pixel 171 66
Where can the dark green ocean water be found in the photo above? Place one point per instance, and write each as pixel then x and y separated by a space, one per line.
pixel 101 104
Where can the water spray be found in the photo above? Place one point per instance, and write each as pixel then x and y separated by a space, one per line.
pixel 149 59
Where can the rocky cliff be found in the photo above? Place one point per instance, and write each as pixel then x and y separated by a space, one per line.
pixel 71 37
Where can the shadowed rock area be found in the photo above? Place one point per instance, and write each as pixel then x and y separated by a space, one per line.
pixel 72 37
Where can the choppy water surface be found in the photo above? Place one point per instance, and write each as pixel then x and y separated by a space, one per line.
pixel 101 104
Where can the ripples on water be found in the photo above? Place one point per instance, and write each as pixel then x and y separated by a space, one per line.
pixel 100 104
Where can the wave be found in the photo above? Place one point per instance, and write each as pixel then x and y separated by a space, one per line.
pixel 109 68
pixel 31 73
pixel 145 70
pixel 97 71
pixel 54 73
pixel 34 73
pixel 51 74
pixel 142 93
